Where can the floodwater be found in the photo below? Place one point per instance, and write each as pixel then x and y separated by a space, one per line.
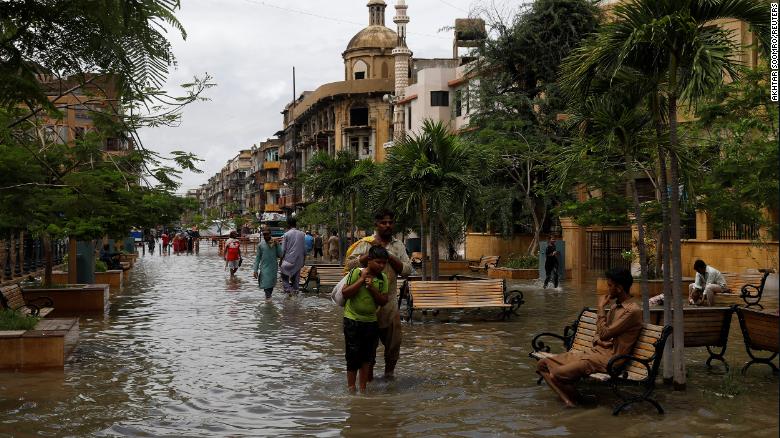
pixel 184 351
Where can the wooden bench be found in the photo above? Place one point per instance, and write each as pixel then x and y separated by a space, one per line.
pixel 761 332
pixel 639 368
pixel 321 275
pixel 747 287
pixel 752 293
pixel 11 297
pixel 437 295
pixel 484 263
pixel 704 327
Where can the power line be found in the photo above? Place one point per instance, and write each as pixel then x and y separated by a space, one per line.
pixel 325 17
pixel 454 6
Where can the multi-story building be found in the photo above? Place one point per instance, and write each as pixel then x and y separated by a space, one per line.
pixel 79 101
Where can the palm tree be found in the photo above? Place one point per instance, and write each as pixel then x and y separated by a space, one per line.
pixel 613 126
pixel 679 43
pixel 337 179
pixel 435 173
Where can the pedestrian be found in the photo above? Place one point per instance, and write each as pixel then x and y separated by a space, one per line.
pixel 709 281
pixel 365 292
pixel 551 263
pixel 266 267
pixel 195 238
pixel 233 253
pixel 616 333
pixel 317 245
pixel 293 256
pixel 150 243
pixel 333 246
pixel 164 238
pixel 398 264
pixel 309 241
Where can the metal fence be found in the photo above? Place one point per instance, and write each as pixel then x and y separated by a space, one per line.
pixel 736 231
pixel 605 249
pixel 25 255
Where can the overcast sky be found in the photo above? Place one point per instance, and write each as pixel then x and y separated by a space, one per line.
pixel 250 47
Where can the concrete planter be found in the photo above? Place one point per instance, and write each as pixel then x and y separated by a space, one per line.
pixel 115 278
pixel 44 347
pixel 74 299
pixel 453 266
pixel 513 274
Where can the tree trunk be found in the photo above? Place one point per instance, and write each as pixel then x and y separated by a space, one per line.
pixel 434 229
pixel 674 235
pixel 49 262
pixel 352 217
pixel 640 224
pixel 3 259
pixel 665 251
pixel 423 243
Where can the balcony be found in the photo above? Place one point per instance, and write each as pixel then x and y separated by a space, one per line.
pixel 271 186
pixel 272 208
pixel 272 165
pixel 289 201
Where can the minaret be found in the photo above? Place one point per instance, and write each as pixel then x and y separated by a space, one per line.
pixel 402 55
pixel 376 12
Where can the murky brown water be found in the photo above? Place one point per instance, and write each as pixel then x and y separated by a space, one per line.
pixel 186 352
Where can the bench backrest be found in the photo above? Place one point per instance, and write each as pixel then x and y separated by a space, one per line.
pixel 12 297
pixel 704 326
pixel 645 347
pixel 488 261
pixel 457 293
pixel 760 329
pixel 735 280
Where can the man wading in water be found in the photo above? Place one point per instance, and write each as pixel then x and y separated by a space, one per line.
pixel 398 264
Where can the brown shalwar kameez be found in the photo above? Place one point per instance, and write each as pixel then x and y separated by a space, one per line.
pixel 616 333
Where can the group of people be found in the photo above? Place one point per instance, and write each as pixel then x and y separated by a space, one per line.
pixel 317 245
pixel 183 241
pixel 370 312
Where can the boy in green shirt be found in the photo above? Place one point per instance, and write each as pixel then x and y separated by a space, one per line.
pixel 365 292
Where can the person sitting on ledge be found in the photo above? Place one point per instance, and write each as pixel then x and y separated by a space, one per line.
pixel 709 281
pixel 111 259
pixel 616 333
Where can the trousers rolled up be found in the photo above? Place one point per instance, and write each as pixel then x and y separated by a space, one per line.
pixel 704 297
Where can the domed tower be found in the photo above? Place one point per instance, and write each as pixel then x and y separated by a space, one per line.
pixel 402 55
pixel 369 52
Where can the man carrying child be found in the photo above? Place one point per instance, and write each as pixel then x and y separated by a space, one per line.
pixel 365 293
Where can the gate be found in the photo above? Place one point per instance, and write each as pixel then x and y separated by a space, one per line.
pixel 606 247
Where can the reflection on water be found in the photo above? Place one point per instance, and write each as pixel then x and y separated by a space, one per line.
pixel 185 350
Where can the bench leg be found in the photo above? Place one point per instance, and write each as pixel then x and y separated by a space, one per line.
pixel 631 399
pixel 766 360
pixel 717 356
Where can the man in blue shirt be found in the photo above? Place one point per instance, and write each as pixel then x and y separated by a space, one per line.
pixel 309 240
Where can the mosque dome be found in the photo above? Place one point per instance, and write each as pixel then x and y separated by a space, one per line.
pixel 374 37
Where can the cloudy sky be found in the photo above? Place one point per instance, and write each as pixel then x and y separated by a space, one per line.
pixel 250 47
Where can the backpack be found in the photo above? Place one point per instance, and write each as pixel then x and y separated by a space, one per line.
pixel 233 251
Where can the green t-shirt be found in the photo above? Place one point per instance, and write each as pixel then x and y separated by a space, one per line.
pixel 361 307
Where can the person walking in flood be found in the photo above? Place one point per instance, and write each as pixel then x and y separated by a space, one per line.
pixel 293 256
pixel 551 263
pixel 266 266
pixel 233 253
pixel 616 333
pixel 398 264
pixel 365 292
pixel 333 246
pixel 317 245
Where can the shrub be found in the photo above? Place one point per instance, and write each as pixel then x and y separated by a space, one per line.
pixel 522 262
pixel 13 320
pixel 100 266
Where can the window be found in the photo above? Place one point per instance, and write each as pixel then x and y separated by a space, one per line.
pixel 360 70
pixel 440 98
pixel 409 117
pixel 358 117
pixel 385 71
pixel 458 103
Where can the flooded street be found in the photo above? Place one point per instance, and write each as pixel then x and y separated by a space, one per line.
pixel 184 351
